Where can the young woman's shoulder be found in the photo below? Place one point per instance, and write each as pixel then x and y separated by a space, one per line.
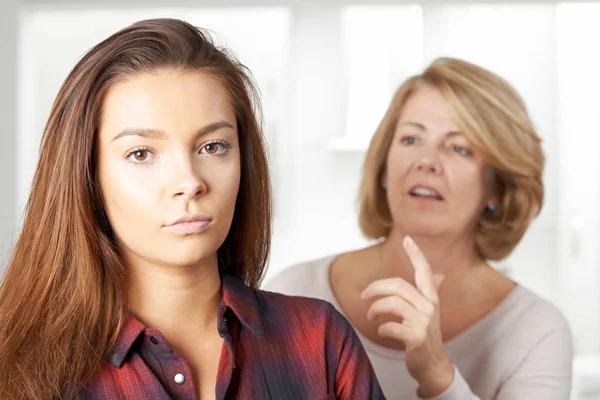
pixel 303 318
pixel 301 308
pixel 318 340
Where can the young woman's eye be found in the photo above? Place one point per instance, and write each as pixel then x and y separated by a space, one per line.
pixel 462 150
pixel 139 156
pixel 215 148
pixel 409 140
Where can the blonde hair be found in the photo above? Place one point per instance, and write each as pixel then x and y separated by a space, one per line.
pixel 494 119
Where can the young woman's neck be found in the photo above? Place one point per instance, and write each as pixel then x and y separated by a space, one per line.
pixel 175 299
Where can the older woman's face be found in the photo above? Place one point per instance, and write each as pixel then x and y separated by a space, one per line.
pixel 436 184
pixel 169 166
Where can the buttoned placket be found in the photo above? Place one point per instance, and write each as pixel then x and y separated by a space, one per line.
pixel 176 373
pixel 226 328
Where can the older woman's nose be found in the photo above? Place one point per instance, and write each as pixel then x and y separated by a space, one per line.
pixel 429 164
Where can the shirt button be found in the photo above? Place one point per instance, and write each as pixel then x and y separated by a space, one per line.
pixel 180 379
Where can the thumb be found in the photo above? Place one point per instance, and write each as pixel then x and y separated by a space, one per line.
pixel 437 280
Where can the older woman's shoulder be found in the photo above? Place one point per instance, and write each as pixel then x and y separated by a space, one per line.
pixel 307 279
pixel 525 319
pixel 535 312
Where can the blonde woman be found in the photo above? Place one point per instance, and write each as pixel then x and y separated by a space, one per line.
pixel 452 179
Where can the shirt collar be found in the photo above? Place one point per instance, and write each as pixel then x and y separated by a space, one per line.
pixel 237 297
pixel 244 303
pixel 130 332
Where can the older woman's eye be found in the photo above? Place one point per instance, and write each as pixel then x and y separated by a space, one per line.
pixel 409 140
pixel 462 150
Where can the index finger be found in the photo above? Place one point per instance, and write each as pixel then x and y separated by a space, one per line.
pixel 423 273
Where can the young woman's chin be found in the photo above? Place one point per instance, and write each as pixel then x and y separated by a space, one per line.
pixel 182 254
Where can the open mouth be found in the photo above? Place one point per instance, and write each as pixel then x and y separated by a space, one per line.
pixel 421 191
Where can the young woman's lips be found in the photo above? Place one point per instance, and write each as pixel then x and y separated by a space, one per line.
pixel 188 224
pixel 188 227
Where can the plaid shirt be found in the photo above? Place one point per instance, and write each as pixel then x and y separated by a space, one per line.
pixel 275 347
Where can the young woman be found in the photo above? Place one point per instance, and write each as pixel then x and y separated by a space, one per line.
pixel 452 179
pixel 146 236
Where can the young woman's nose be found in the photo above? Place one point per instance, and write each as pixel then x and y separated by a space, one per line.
pixel 186 181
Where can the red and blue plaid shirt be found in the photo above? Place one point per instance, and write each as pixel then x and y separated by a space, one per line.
pixel 275 347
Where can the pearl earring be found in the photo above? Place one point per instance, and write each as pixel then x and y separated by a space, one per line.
pixel 492 207
pixel 384 186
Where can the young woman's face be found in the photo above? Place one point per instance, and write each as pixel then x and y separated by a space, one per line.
pixel 436 183
pixel 169 166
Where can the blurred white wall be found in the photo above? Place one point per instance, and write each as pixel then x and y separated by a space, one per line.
pixel 327 73
pixel 8 124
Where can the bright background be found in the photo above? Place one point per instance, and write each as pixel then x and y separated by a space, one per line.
pixel 327 72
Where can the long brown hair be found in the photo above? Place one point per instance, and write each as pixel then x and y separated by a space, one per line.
pixel 63 298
